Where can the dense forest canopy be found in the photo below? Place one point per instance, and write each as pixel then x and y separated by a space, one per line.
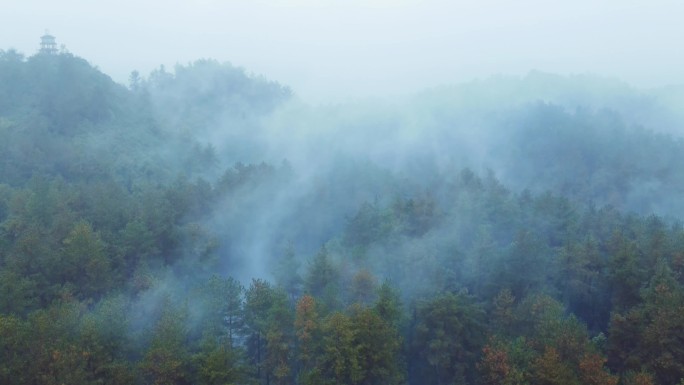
pixel 204 226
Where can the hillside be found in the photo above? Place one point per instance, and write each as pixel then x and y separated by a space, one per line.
pixel 204 226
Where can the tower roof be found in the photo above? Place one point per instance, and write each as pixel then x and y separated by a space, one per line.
pixel 48 44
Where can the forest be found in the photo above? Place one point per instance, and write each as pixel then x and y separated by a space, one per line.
pixel 203 225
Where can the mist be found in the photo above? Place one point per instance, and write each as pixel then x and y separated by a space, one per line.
pixel 366 193
pixel 336 51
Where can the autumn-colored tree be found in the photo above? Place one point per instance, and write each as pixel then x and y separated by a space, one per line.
pixel 593 372
pixel 494 366
pixel 548 347
pixel 363 287
pixel 308 332
pixel 638 378
pixel 279 339
pixel 549 369
pixel 500 366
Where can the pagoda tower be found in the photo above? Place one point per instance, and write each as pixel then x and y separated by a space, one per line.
pixel 47 44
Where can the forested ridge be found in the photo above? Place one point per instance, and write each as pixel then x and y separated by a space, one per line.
pixel 204 226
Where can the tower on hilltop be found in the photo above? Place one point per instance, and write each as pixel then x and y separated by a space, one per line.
pixel 47 44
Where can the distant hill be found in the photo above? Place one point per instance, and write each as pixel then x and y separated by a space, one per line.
pixel 60 115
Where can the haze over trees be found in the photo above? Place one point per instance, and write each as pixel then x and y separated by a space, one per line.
pixel 204 226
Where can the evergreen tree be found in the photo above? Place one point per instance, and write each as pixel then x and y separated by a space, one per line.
pixel 446 339
pixel 322 280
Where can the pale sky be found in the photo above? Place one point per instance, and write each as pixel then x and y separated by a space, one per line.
pixel 341 49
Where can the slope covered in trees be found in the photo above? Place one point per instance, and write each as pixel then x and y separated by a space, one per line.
pixel 205 227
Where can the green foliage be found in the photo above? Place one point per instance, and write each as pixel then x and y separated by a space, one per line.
pixel 505 363
pixel 118 213
pixel 206 89
pixel 18 294
pixel 279 338
pixel 307 326
pixel 388 305
pixel 378 345
pixel 14 338
pixel 323 280
pixel 370 224
pixel 339 361
pixel 580 267
pixel 167 360
pixel 220 364
pixel 549 369
pixel 536 342
pixel 649 335
pixel 224 315
pixel 83 263
pixel 363 288
pixel 447 335
pixel 525 265
pixel 286 272
pixel 626 275
pixel 269 321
